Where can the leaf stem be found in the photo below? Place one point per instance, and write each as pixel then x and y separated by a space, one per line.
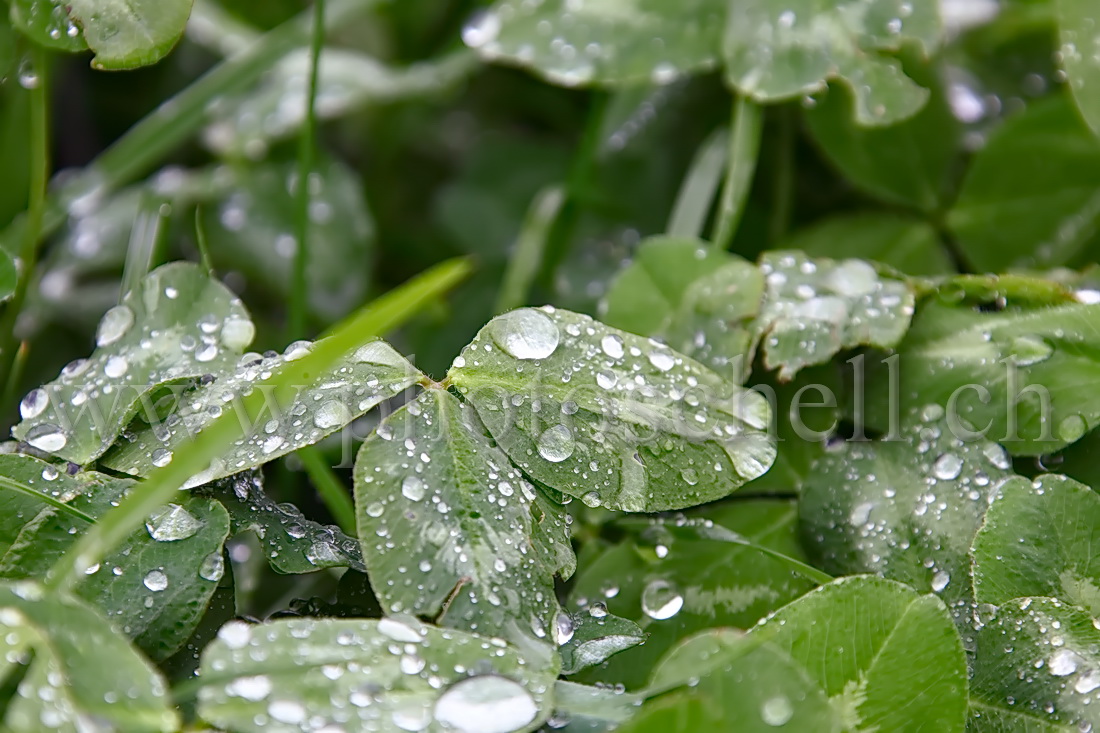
pixel 36 208
pixel 530 246
pixel 384 313
pixel 332 490
pixel 299 303
pixel 744 147
pixel 13 485
pixel 693 201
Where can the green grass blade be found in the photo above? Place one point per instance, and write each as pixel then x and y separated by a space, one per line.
pixel 530 247
pixel 385 313
pixel 333 492
pixel 744 148
pixel 693 201
pixel 12 485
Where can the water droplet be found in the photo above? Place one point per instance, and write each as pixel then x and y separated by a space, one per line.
pixel 235 634
pixel 47 437
pixel 606 379
pixel 161 457
pixel 1072 428
pixel 286 711
pixel 1063 662
pixel 114 325
pixel 485 704
pixel 1028 350
pixel 940 581
pixel 33 404
pixel 155 580
pixel 947 467
pixel 690 476
pixel 171 523
pixel 776 710
pixel 526 334
pixel 332 414
pixel 482 29
pixel 412 488
pixel 591 499
pixel 378 352
pixel 563 628
pixel 663 360
pixel 213 567
pixel 253 688
pixel 852 278
pixel 1088 682
pixel 116 367
pixel 661 600
pixel 612 345
pixel 997 455
pixel 237 332
pixel 399 631
pixel 556 444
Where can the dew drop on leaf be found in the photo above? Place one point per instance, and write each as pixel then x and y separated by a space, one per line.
pixel 563 628
pixel 213 567
pixel 556 444
pixel 612 345
pixel 114 325
pixel 526 334
pixel 663 360
pixel 286 711
pixel 237 333
pixel 399 631
pixel 46 437
pixel 332 414
pixel 412 488
pixel 33 404
pixel 776 710
pixel 171 523
pixel 161 457
pixel 940 581
pixel 1063 662
pixel 155 580
pixel 485 704
pixel 253 688
pixel 116 367
pixel 947 466
pixel 661 600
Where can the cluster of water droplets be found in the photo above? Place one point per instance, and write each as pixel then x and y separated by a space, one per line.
pixel 586 409
pixel 395 673
pixel 816 307
pixel 574 44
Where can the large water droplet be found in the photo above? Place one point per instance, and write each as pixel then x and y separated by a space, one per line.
pixel 612 345
pixel 332 414
pixel 1063 662
pixel 947 466
pixel 33 404
pixel 155 580
pixel 563 628
pixel 556 443
pixel 663 360
pixel 171 523
pixel 399 631
pixel 940 581
pixel 253 688
pixel 114 325
pixel 286 711
pixel 661 600
pixel 47 437
pixel 526 334
pixel 116 367
pixel 776 710
pixel 237 332
pixel 213 567
pixel 485 704
pixel 412 488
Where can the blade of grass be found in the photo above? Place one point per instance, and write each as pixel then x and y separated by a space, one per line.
pixel 36 208
pixel 530 247
pixel 744 147
pixel 12 485
pixel 693 201
pixel 384 313
pixel 332 490
pixel 143 242
pixel 306 153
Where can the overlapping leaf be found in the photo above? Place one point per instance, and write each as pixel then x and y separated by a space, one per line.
pixel 776 51
pixel 177 324
pixel 448 525
pixel 80 668
pixel 905 509
pixel 1035 668
pixel 1079 47
pixel 1016 375
pixel 594 636
pixel 329 401
pixel 292 542
pixel 391 675
pixel 125 34
pixel 153 588
pixel 813 308
pixel 616 419
pixel 603 42
pixel 1037 541
pixel 674 581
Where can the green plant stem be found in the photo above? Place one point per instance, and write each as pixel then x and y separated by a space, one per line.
pixel 12 485
pixel 386 312
pixel 299 305
pixel 783 182
pixel 332 490
pixel 744 147
pixel 693 201
pixel 530 247
pixel 36 208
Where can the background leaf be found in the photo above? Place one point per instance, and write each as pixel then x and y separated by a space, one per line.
pixel 615 419
pixel 46 22
pixel 128 33
pixel 275 676
pixel 1080 56
pixel 79 666
pixel 775 52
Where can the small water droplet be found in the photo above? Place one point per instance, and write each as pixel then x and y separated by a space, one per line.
pixel 171 523
pixel 612 345
pixel 776 711
pixel 47 437
pixel 213 567
pixel 286 711
pixel 33 404
pixel 161 457
pixel 947 466
pixel 663 360
pixel 332 414
pixel 661 600
pixel 116 367
pixel 563 629
pixel 237 332
pixel 940 581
